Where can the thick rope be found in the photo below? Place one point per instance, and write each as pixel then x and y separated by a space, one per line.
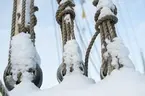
pixel 38 75
pixel 107 32
pixel 67 28
pixel 3 90
pixel 89 50
pixel 33 21
pixel 65 17
pixel 22 25
pixel 14 18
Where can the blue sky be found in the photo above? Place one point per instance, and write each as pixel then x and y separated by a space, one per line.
pixel 130 28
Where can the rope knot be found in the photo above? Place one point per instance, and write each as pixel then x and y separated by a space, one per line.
pixel 104 14
pixel 64 9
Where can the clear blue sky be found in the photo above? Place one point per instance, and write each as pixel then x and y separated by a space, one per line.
pixel 130 28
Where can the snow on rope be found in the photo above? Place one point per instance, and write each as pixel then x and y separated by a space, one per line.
pixel 23 56
pixel 119 53
pixel 72 56
pixel 107 8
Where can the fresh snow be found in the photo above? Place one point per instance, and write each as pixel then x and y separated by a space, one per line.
pixel 119 53
pixel 106 7
pixel 67 19
pixel 104 12
pixel 72 56
pixel 23 55
pixel 105 3
pixel 123 82
pixel 23 89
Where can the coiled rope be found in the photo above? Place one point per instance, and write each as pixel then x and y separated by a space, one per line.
pixel 23 27
pixel 106 27
pixel 65 16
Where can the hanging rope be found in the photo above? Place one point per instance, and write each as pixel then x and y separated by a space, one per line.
pixel 33 20
pixel 105 25
pixel 27 28
pixel 65 16
pixel 89 50
pixel 84 47
pixel 92 40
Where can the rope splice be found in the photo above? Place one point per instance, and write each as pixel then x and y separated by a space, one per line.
pixel 106 19
pixel 23 21
pixel 65 17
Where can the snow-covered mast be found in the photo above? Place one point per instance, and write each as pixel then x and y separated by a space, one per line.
pixel 112 55
pixel 23 62
pixel 72 60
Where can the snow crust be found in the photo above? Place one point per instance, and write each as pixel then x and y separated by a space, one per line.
pixel 67 19
pixel 105 3
pixel 72 56
pixel 106 7
pixel 23 89
pixel 63 1
pixel 23 55
pixel 123 82
pixel 104 12
pixel 119 53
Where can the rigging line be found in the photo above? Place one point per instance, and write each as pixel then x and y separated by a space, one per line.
pixel 55 33
pixel 87 22
pixel 84 45
pixel 143 59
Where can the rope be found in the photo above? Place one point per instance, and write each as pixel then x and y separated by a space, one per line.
pixel 3 90
pixel 22 25
pixel 67 28
pixel 65 16
pixel 33 21
pixel 37 80
pixel 14 18
pixel 84 48
pixel 107 32
pixel 89 50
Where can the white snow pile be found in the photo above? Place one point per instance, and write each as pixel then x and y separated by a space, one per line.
pixel 107 8
pixel 23 55
pixel 121 82
pixel 119 53
pixel 105 3
pixel 72 56
pixel 67 18
pixel 23 89
pixel 104 12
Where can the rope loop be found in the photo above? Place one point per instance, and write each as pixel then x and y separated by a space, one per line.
pixel 63 10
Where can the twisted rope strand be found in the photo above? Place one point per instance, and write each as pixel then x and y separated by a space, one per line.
pixel 89 50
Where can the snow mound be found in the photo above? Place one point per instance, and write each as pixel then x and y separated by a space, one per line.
pixel 119 53
pixel 23 89
pixel 72 56
pixel 123 82
pixel 23 55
